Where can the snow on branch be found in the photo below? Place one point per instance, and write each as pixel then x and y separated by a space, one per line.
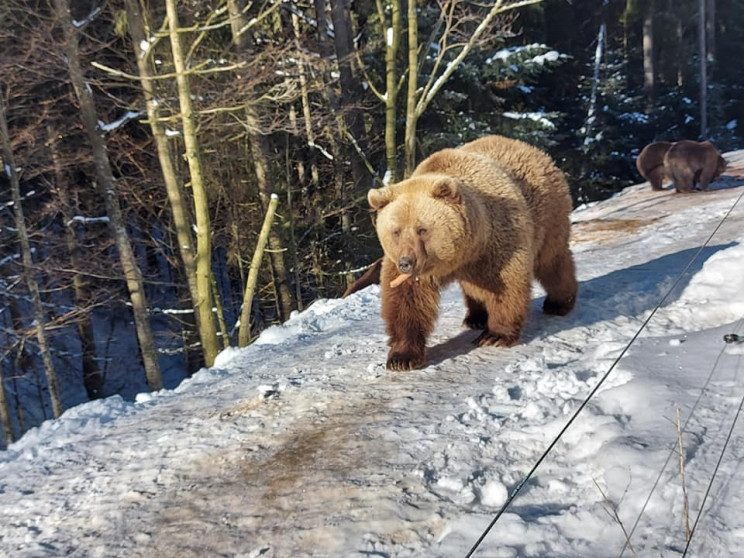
pixel 9 204
pixel 87 220
pixel 130 115
pixel 91 16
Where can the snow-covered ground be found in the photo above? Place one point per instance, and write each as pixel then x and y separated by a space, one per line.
pixel 304 445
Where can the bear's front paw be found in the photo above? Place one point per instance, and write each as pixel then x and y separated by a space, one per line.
pixel 401 361
pixel 488 339
pixel 475 321
pixel 558 307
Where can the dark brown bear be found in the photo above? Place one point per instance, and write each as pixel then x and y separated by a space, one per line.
pixel 688 162
pixel 490 215
pixel 650 162
pixel 370 277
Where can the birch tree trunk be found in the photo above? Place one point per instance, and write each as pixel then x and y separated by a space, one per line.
pixel 392 43
pixel 419 98
pixel 261 154
pixel 244 334
pixel 28 271
pixel 106 186
pixel 203 267
pixel 176 196
pixel 92 379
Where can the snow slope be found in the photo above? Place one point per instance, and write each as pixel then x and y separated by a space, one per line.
pixel 304 445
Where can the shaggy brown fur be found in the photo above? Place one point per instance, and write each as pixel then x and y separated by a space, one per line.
pixel 650 162
pixel 488 215
pixel 688 162
pixel 370 277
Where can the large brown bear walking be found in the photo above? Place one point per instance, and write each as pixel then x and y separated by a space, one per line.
pixel 488 214
pixel 689 162
pixel 650 162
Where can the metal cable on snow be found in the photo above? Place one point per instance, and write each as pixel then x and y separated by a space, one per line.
pixel 713 477
pixel 673 448
pixel 594 390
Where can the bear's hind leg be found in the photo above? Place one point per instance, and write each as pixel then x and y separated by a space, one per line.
pixel 656 178
pixel 683 180
pixel 557 275
pixel 477 316
pixel 410 312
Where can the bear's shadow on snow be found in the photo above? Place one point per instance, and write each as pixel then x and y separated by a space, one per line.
pixel 626 292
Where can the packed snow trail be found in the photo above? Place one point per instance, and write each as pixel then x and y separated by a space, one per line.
pixel 304 445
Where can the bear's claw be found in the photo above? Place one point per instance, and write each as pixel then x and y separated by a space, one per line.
pixel 475 322
pixel 402 362
pixel 488 339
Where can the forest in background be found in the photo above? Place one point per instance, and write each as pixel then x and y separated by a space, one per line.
pixel 151 149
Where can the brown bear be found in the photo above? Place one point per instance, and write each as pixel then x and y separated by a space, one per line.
pixel 370 277
pixel 650 162
pixel 488 214
pixel 689 162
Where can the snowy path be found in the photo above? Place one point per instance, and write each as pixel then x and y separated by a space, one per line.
pixel 303 445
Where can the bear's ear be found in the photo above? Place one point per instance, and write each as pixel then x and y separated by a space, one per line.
pixel 379 198
pixel 447 190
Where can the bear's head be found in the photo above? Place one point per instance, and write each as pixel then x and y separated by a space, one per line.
pixel 422 224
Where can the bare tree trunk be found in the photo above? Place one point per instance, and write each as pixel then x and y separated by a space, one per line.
pixel 392 43
pixel 5 413
pixel 261 155
pixel 176 197
pixel 680 57
pixel 107 189
pixel 649 70
pixel 710 32
pixel 201 202
pixel 703 71
pixel 305 103
pixel 409 141
pixel 244 334
pixel 24 361
pixel 92 379
pixel 418 101
pixel 220 313
pixel 28 271
pixel 350 93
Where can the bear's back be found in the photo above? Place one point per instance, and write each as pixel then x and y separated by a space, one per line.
pixel 542 183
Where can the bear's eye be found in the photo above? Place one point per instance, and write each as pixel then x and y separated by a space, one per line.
pixel 396 233
pixel 422 231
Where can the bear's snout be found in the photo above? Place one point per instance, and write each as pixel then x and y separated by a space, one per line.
pixel 405 264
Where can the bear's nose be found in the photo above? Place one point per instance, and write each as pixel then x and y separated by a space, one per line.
pixel 405 264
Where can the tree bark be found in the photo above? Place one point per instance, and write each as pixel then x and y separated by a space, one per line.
pixel 92 378
pixel 350 94
pixel 417 101
pixel 244 334
pixel 28 271
pixel 409 141
pixel 203 269
pixel 176 196
pixel 703 70
pixel 392 43
pixel 106 186
pixel 649 69
pixel 710 34
pixel 261 154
